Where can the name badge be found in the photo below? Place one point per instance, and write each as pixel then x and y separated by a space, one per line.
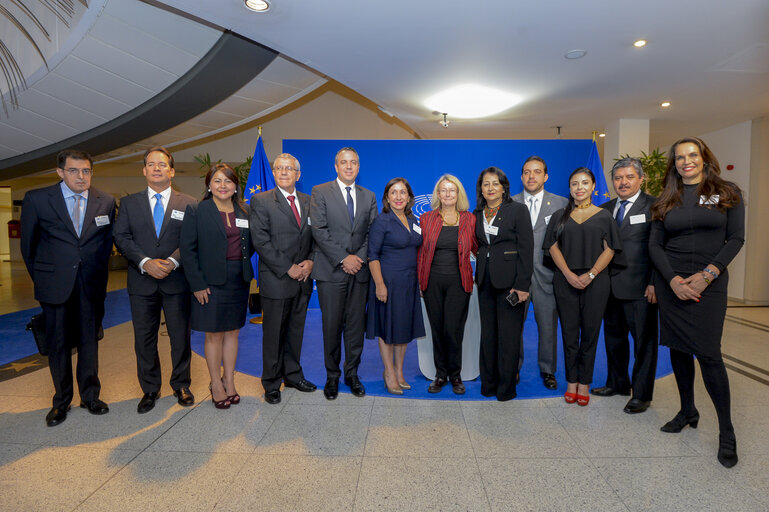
pixel 102 220
pixel 177 215
pixel 241 223
pixel 491 230
pixel 547 219
pixel 416 229
pixel 709 200
pixel 638 219
pixel 309 221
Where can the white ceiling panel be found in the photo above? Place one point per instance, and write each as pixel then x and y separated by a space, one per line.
pixel 44 127
pixel 186 130
pixel 215 119
pixel 268 92
pixel 20 140
pixel 81 96
pixel 282 71
pixel 58 110
pixel 85 73
pixel 242 106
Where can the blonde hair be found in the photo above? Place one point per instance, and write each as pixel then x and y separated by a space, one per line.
pixel 463 204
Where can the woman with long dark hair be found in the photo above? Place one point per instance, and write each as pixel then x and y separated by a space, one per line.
pixel 698 228
pixel 581 241
pixel 503 271
pixel 216 251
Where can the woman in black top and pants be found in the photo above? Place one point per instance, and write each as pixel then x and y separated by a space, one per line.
pixel 698 228
pixel 215 246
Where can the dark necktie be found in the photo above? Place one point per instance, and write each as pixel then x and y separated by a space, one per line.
pixel 296 212
pixel 158 213
pixel 621 212
pixel 350 206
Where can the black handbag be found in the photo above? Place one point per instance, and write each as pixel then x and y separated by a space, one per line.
pixel 255 304
pixel 37 326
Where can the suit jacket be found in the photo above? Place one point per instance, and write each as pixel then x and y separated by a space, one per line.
pixel 629 282
pixel 203 246
pixel 280 242
pixel 135 237
pixel 551 203
pixel 431 224
pixel 54 253
pixel 334 237
pixel 510 252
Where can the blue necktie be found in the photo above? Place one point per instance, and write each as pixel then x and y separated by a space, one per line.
pixel 158 213
pixel 77 219
pixel 350 206
pixel 621 212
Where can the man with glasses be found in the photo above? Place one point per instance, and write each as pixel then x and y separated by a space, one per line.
pixel 66 240
pixel 147 232
pixel 281 234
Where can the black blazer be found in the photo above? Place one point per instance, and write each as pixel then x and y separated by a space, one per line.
pixel 280 242
pixel 629 280
pixel 510 260
pixel 135 237
pixel 203 246
pixel 52 250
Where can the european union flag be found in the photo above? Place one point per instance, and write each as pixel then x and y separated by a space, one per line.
pixel 601 192
pixel 259 179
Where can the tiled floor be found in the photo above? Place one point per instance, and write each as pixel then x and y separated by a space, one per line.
pixel 376 453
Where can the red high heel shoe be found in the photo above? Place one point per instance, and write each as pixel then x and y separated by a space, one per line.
pixel 570 398
pixel 583 400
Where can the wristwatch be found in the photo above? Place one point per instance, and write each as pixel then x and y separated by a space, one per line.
pixel 591 275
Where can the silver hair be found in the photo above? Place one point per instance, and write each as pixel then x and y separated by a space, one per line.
pixel 628 161
pixel 286 156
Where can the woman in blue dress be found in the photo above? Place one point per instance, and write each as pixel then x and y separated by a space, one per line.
pixel 394 311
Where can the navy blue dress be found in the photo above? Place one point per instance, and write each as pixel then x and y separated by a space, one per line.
pixel 399 320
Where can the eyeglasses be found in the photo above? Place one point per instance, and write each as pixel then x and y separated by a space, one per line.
pixel 72 171
pixel 287 168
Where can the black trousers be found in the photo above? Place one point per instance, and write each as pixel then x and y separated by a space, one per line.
pixel 501 331
pixel 283 330
pixel 446 303
pixel 638 318
pixel 74 324
pixel 343 311
pixel 145 311
pixel 581 313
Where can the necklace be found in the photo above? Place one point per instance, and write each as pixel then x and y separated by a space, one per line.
pixel 583 206
pixel 456 218
pixel 490 212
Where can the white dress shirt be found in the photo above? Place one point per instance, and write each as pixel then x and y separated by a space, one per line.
pixel 165 197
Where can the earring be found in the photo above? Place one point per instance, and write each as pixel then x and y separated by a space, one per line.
pixel 209 190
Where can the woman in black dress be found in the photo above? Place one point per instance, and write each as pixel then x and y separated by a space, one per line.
pixel 503 271
pixel 698 228
pixel 394 310
pixel 581 240
pixel 215 246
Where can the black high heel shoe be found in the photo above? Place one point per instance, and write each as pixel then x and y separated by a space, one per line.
pixel 678 423
pixel 727 450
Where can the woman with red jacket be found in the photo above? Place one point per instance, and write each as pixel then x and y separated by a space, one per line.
pixel 446 277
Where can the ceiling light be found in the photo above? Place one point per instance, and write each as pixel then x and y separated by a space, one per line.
pixel 258 5
pixel 471 101
pixel 665 104
pixel 602 135
pixel 575 54
pixel 640 43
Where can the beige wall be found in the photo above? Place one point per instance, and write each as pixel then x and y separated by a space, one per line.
pixel 757 241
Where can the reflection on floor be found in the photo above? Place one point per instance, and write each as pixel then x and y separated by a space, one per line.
pixel 376 453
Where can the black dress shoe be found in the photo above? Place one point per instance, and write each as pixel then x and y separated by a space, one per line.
pixel 55 416
pixel 635 405
pixel 272 397
pixel 727 450
pixel 607 391
pixel 356 386
pixel 437 385
pixel 331 389
pixel 548 379
pixel 147 403
pixel 680 420
pixel 457 386
pixel 305 386
pixel 95 407
pixel 184 396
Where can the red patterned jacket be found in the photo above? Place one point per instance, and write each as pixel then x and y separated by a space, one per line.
pixel 431 224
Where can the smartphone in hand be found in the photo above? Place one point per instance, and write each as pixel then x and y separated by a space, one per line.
pixel 513 299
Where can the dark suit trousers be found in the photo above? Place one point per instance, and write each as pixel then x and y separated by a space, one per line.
pixel 343 310
pixel 447 303
pixel 501 330
pixel 73 324
pixel 145 310
pixel 581 313
pixel 639 318
pixel 283 330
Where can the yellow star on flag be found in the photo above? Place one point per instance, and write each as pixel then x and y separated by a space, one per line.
pixel 17 367
pixel 606 195
pixel 252 190
pixel 258 187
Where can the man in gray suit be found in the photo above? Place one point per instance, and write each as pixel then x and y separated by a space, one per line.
pixel 147 231
pixel 541 204
pixel 341 213
pixel 281 234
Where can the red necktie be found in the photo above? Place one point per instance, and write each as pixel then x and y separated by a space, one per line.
pixel 296 212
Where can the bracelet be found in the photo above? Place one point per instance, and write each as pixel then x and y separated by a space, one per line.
pixel 705 277
pixel 706 269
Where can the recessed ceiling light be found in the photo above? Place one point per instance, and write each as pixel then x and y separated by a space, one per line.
pixel 665 104
pixel 575 54
pixel 640 43
pixel 602 135
pixel 258 5
pixel 471 101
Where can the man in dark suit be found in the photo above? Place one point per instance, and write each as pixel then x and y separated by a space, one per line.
pixel 341 213
pixel 632 303
pixel 282 237
pixel 147 232
pixel 66 240
pixel 541 205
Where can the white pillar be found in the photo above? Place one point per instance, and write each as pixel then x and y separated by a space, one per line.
pixel 624 137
